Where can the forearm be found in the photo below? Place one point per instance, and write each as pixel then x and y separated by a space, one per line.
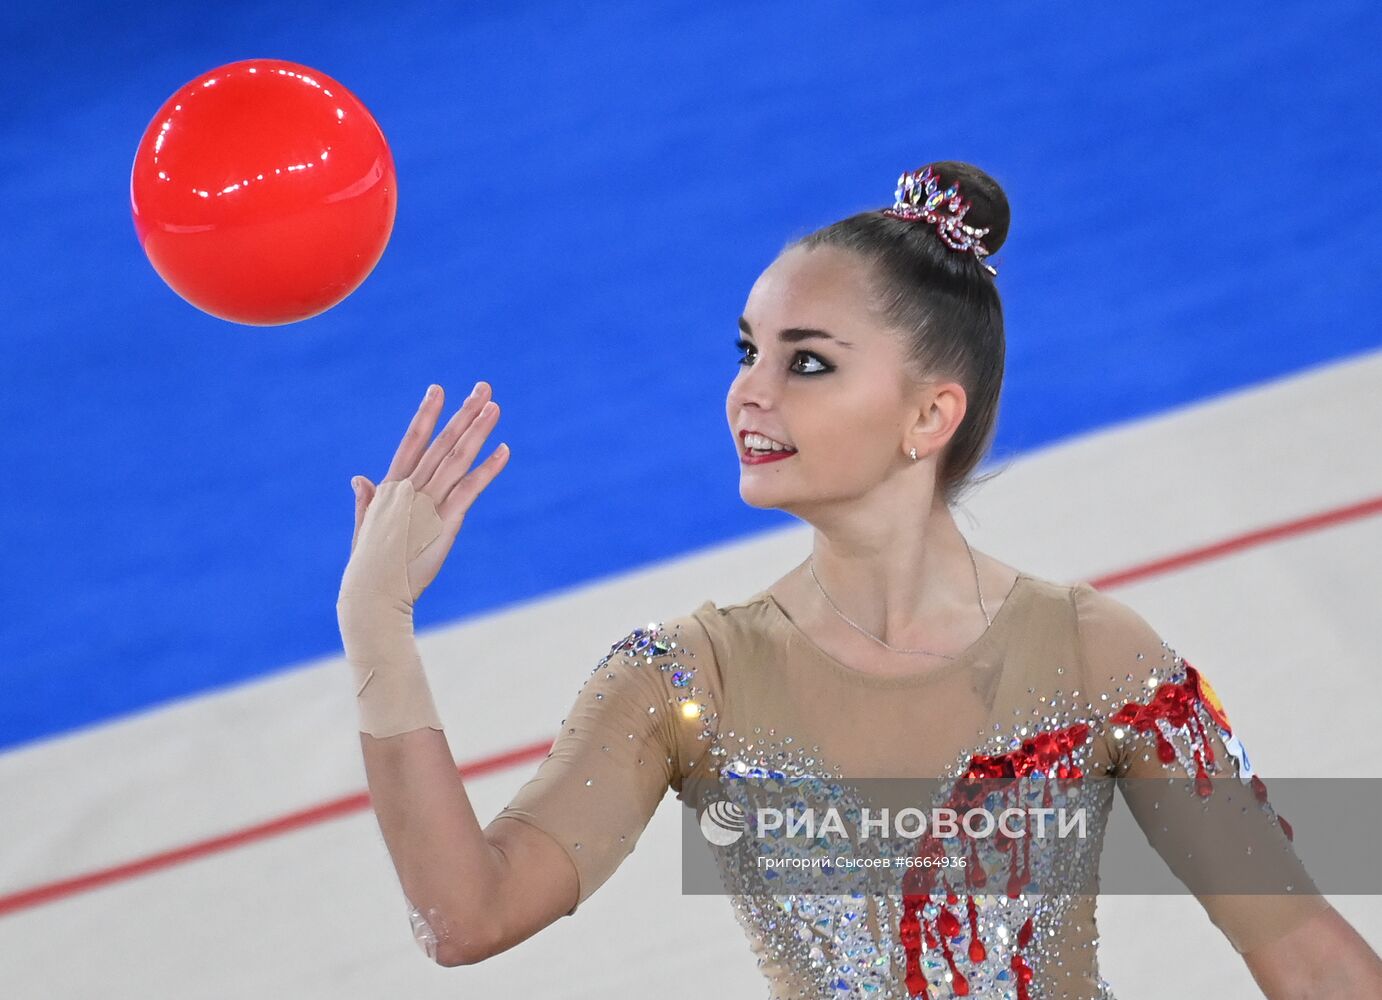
pixel 449 873
pixel 448 870
pixel 1324 958
pixel 1345 977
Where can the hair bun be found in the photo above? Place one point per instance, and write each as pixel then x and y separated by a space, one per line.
pixel 988 205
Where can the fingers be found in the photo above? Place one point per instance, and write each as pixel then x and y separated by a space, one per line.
pixel 458 501
pixel 415 439
pixel 456 460
pixel 446 443
pixel 364 493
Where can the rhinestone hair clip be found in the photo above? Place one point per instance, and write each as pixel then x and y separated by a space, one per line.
pixel 919 198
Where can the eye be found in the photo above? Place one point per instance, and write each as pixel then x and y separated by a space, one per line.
pixel 747 345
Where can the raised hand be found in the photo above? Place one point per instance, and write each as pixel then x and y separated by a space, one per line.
pixel 436 484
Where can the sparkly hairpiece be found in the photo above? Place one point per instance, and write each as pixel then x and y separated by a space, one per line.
pixel 920 199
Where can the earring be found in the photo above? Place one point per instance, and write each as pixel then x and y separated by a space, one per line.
pixel 914 454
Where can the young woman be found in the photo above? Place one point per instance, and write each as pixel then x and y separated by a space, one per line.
pixel 868 393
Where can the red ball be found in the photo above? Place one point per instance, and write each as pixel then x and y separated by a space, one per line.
pixel 263 192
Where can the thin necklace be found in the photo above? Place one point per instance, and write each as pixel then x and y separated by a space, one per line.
pixel 811 566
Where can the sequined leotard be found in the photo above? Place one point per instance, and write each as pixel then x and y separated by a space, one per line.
pixel 1066 680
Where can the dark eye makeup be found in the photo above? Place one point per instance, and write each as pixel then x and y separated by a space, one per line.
pixel 745 345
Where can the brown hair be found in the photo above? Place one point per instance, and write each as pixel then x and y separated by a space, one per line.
pixel 946 305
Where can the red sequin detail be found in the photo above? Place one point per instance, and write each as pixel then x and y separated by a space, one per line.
pixel 977 951
pixel 1176 703
pixel 1259 789
pixel 1046 752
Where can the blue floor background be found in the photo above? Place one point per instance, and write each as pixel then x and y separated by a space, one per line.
pixel 586 196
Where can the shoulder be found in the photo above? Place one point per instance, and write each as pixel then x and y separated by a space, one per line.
pixel 1103 618
pixel 708 636
pixel 1114 643
pixel 1093 612
pixel 1049 602
pixel 752 605
pixel 739 629
pixel 1125 658
pixel 681 637
pixel 662 672
pixel 1047 591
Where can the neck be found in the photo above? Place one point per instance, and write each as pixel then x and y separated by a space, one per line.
pixel 893 582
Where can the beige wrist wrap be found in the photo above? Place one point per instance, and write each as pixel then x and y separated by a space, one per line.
pixel 375 612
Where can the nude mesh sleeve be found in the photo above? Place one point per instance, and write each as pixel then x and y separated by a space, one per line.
pixel 375 612
pixel 1187 780
pixel 621 746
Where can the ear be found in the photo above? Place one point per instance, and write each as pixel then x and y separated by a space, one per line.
pixel 941 406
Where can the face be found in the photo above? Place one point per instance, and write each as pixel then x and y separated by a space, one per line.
pixel 821 373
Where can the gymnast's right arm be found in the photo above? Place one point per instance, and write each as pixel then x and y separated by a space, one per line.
pixel 471 892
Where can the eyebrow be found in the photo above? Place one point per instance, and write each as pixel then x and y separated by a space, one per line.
pixel 796 334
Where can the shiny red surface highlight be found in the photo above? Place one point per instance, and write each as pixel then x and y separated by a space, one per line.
pixel 263 192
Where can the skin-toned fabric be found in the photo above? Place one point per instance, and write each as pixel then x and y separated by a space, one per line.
pixel 699 702
pixel 374 610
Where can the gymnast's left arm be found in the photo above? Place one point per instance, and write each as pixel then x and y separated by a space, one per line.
pixel 1189 784
pixel 1323 958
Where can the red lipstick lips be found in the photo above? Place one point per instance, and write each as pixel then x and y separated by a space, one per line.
pixel 747 457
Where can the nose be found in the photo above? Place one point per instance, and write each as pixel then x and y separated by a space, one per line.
pixel 753 386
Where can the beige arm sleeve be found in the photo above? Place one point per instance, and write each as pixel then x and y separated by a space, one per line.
pixel 620 747
pixel 1187 779
pixel 374 610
